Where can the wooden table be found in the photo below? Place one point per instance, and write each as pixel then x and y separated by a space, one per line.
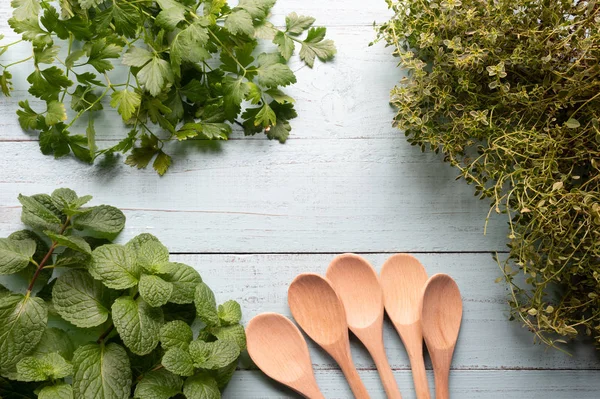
pixel 250 214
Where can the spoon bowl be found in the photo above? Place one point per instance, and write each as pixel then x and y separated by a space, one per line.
pixel 278 348
pixel 356 283
pixel 441 315
pixel 318 309
pixel 402 278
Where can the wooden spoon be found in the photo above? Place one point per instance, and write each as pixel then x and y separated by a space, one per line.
pixel 355 281
pixel 278 348
pixel 441 315
pixel 320 312
pixel 402 278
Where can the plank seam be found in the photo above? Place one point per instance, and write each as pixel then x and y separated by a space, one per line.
pixel 489 252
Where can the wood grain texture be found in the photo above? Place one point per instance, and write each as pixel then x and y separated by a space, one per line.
pixel 488 341
pixel 465 384
pixel 441 316
pixel 345 182
pixel 279 349
pixel 357 285
pixel 319 311
pixel 258 196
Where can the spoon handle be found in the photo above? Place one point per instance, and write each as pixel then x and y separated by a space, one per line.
pixel 442 391
pixel 356 385
pixel 417 365
pixel 377 351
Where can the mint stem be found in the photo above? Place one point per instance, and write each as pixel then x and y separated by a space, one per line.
pixel 46 258
pixel 105 334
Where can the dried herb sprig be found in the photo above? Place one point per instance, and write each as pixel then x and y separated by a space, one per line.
pixel 192 65
pixel 509 91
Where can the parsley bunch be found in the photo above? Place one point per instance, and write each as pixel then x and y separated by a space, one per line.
pixel 125 312
pixel 193 69
pixel 508 91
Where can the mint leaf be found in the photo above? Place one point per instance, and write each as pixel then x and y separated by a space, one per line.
pixel 115 266
pixel 234 333
pixel 159 384
pixel 22 324
pixel 67 200
pixel 213 355
pixel 15 255
pixel 178 361
pixel 155 75
pixel 224 374
pixel 230 312
pixel 138 324
pixel 58 391
pixel 126 102
pixel 42 368
pixel 206 306
pixel 102 219
pixel 201 387
pixel 101 371
pixel 73 242
pixel 184 279
pixel 154 290
pixel 136 242
pixel 296 24
pixel 152 254
pixel 55 341
pixel 81 300
pixel 314 45
pixel 40 212
pixel 239 22
pixel 175 334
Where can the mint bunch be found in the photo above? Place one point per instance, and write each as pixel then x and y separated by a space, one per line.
pixel 87 318
pixel 193 69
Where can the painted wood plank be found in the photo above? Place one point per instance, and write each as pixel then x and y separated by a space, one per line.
pixel 346 98
pixel 488 340
pixel 306 196
pixel 464 384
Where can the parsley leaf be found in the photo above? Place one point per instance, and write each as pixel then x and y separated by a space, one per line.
pixel 187 69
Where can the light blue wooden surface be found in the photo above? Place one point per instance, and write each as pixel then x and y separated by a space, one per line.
pixel 250 214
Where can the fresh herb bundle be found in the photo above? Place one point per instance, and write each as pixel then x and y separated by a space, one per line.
pixel 509 92
pixel 125 312
pixel 191 68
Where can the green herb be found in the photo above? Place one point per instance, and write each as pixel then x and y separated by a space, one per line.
pixel 508 91
pixel 193 69
pixel 125 312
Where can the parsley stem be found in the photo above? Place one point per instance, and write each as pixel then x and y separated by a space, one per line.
pixel 226 49
pixel 11 44
pixel 47 257
pixel 17 62
pixel 88 108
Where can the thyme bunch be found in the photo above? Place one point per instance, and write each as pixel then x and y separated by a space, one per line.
pixel 509 92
